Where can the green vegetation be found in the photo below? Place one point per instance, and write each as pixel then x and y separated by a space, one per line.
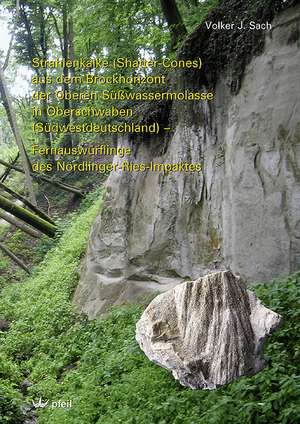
pixel 129 28
pixel 235 48
pixel 100 368
pixel 30 315
pixel 98 365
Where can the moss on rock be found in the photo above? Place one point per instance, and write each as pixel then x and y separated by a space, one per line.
pixel 229 50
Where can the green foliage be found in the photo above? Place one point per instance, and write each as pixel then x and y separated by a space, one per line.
pixel 42 303
pixel 232 50
pixel 30 251
pixel 125 28
pixel 9 272
pixel 114 382
pixel 10 404
pixel 100 368
pixel 7 146
pixel 194 12
pixel 6 137
pixel 129 28
pixel 98 365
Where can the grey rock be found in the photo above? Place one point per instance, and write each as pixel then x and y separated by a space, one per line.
pixel 29 414
pixel 4 325
pixel 25 386
pixel 155 231
pixel 208 332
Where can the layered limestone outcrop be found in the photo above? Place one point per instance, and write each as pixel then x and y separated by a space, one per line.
pixel 208 332
pixel 241 213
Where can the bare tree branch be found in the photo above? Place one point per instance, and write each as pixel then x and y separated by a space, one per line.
pixel 32 49
pixel 57 31
pixel 14 258
pixel 41 177
pixel 19 224
pixel 13 122
pixel 8 52
pixel 26 203
pixel 35 221
pixel 7 171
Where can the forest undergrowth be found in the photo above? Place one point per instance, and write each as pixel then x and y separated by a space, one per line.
pixel 52 352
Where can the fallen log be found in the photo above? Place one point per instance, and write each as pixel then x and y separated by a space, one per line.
pixel 19 224
pixel 14 258
pixel 7 103
pixel 27 203
pixel 41 177
pixel 35 221
pixel 7 170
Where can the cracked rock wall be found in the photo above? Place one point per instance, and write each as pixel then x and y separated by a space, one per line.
pixel 242 212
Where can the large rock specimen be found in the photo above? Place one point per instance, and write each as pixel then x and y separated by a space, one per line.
pixel 208 332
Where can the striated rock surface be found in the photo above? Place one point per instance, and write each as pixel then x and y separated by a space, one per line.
pixel 156 230
pixel 208 332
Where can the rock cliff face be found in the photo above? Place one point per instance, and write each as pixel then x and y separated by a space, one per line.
pixel 241 213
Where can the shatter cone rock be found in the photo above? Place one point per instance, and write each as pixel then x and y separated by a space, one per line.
pixel 208 332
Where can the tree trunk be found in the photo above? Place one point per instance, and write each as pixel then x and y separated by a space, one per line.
pixel 13 122
pixel 65 53
pixel 41 177
pixel 175 23
pixel 74 103
pixel 7 170
pixel 33 51
pixel 13 257
pixel 43 85
pixel 28 217
pixel 19 224
pixel 27 203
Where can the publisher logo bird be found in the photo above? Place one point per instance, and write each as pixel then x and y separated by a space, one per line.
pixel 40 403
